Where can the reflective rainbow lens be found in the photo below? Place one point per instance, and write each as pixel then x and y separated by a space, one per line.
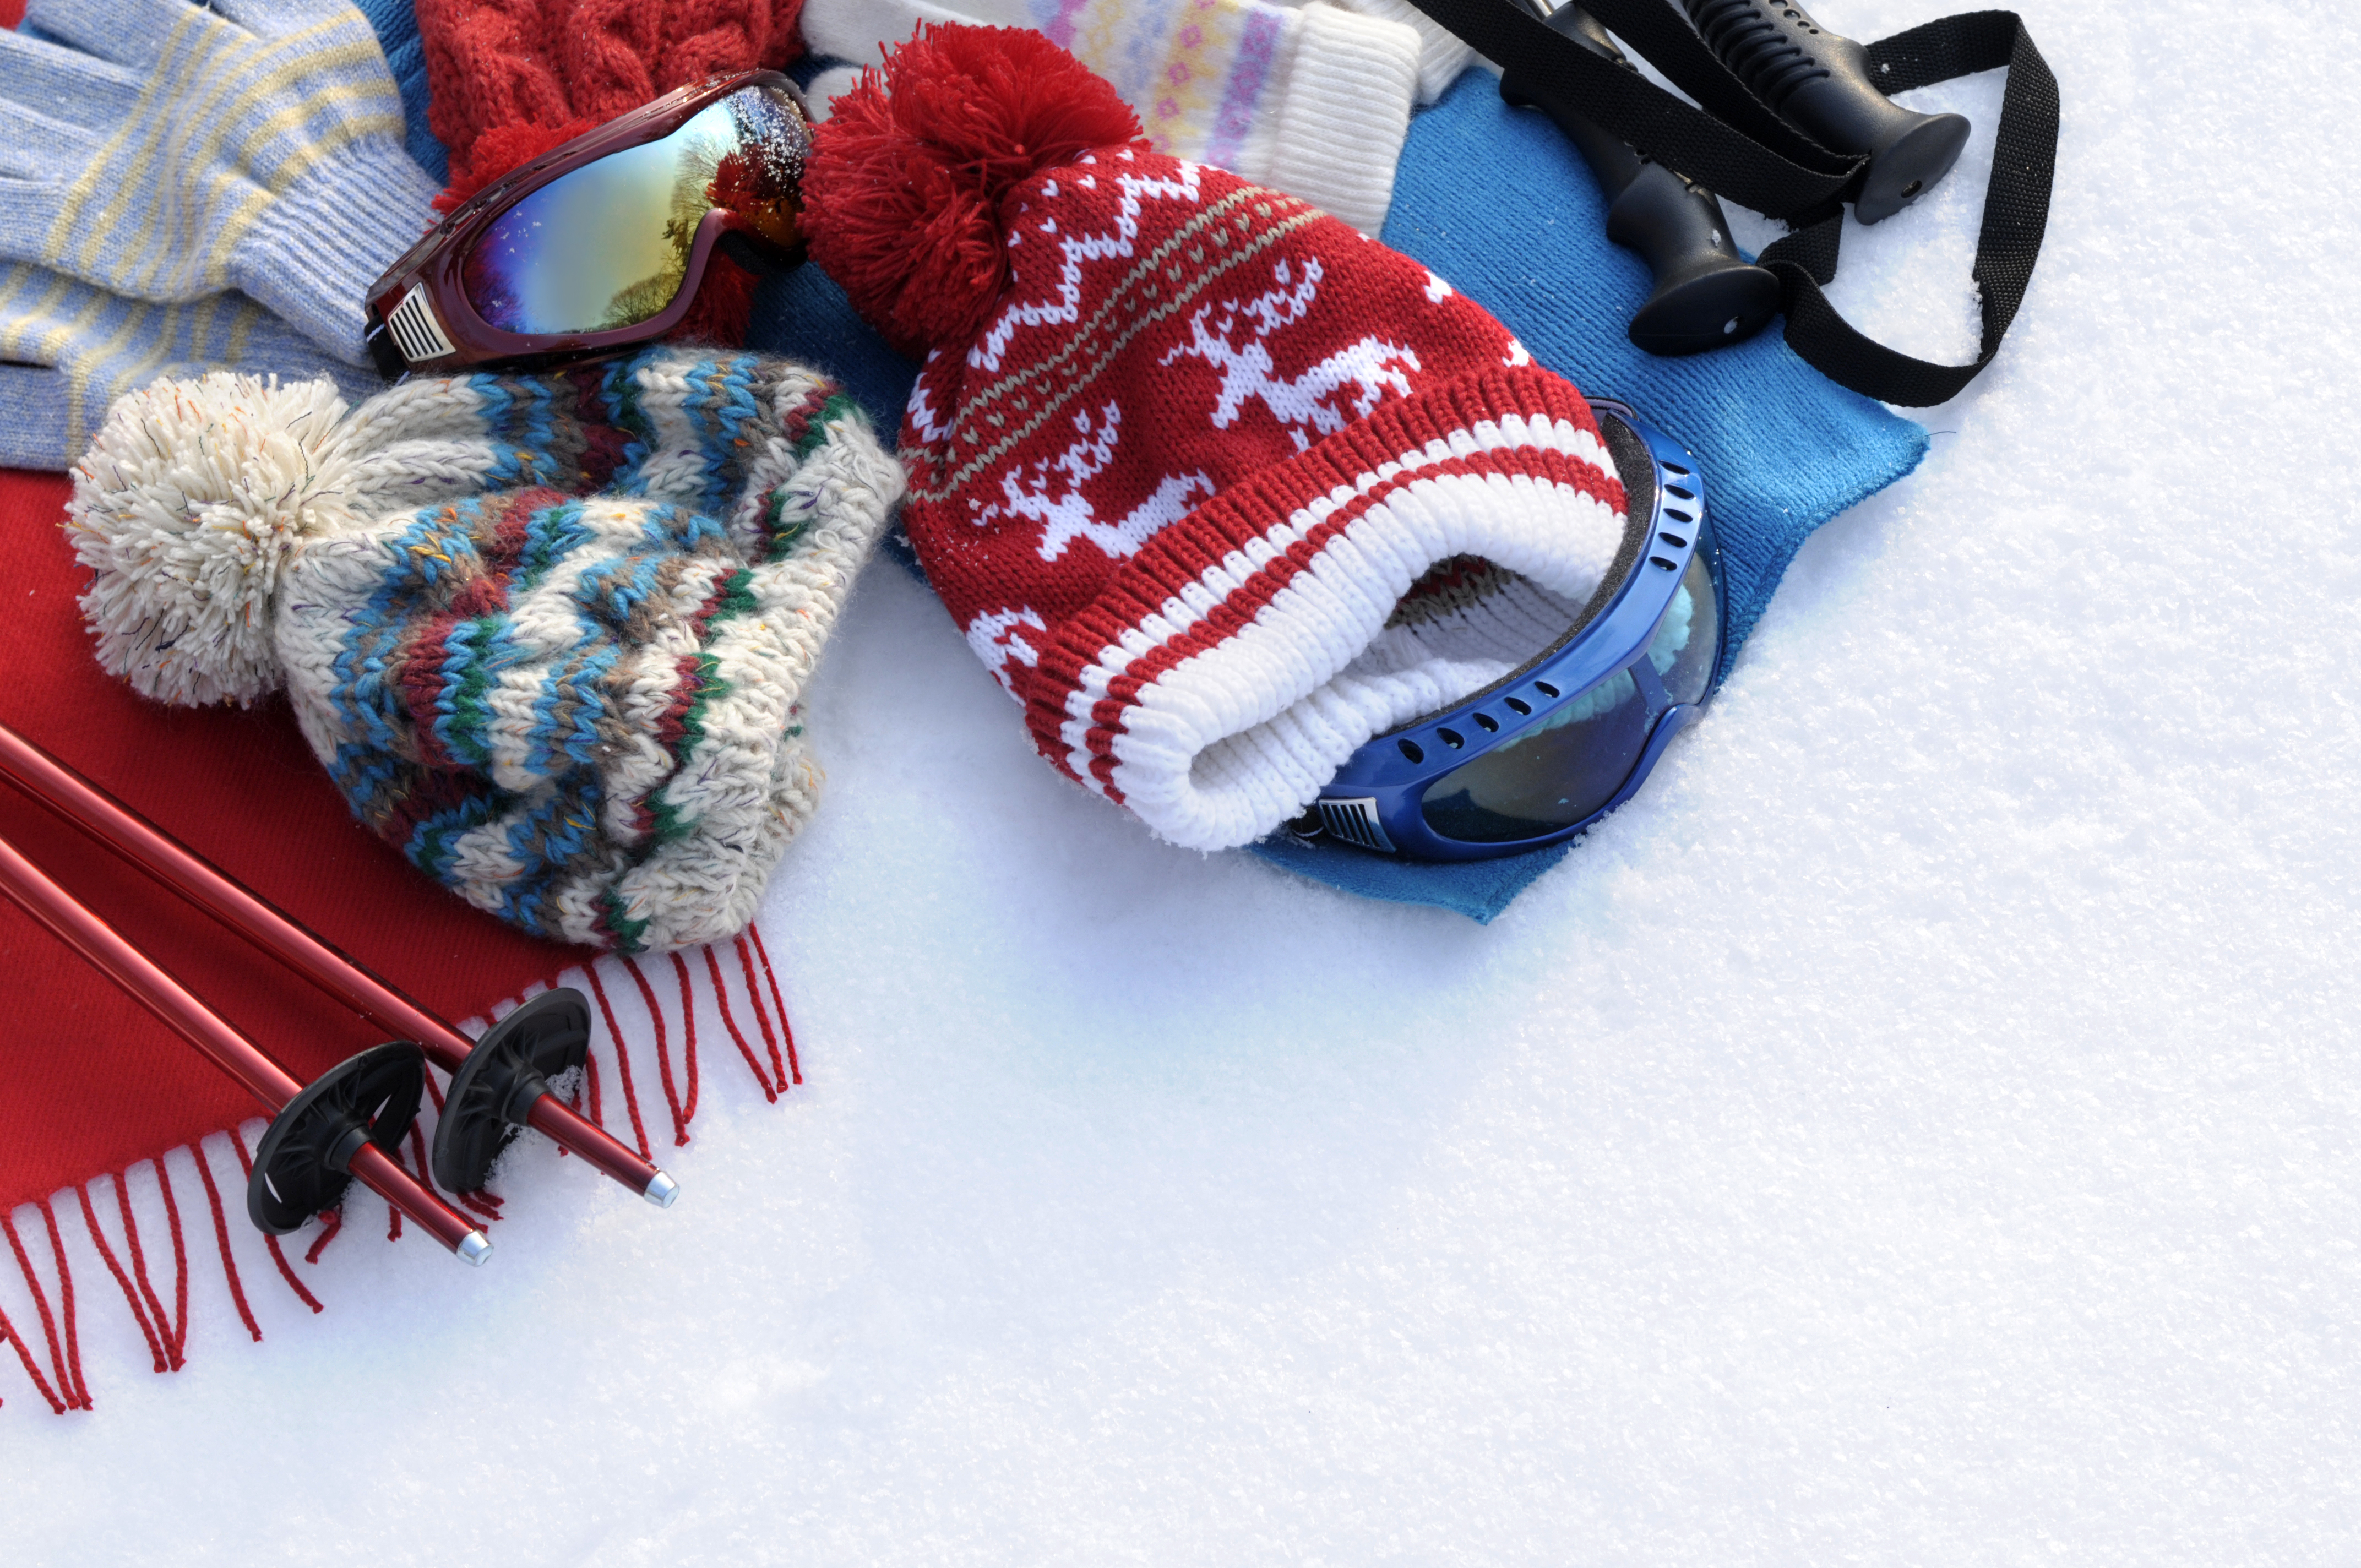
pixel 607 246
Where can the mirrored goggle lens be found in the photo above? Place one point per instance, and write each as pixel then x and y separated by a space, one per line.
pixel 1687 638
pixel 607 246
pixel 1551 776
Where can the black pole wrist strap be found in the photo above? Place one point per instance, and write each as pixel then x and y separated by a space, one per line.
pixel 1738 147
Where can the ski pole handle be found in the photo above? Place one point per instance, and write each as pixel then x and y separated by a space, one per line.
pixel 1821 84
pixel 1706 293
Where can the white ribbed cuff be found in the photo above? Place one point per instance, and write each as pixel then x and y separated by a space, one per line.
pixel 1219 715
pixel 1441 56
pixel 1220 751
pixel 1335 131
pixel 863 30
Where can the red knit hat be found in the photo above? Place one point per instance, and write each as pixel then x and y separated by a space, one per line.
pixel 1218 487
pixel 509 79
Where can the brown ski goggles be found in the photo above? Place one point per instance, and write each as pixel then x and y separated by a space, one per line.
pixel 600 244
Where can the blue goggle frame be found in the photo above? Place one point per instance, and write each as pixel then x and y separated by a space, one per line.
pixel 1376 799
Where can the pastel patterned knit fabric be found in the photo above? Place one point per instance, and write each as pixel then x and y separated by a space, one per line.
pixel 1311 100
pixel 567 684
pixel 166 151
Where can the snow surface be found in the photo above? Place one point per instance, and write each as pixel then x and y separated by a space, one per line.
pixel 1920 1128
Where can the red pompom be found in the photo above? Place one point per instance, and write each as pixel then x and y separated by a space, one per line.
pixel 903 191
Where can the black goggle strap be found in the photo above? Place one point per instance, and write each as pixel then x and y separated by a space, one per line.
pixel 1735 145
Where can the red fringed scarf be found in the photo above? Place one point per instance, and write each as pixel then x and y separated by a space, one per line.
pixel 90 1085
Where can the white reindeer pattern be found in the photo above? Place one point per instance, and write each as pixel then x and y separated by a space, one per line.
pixel 1357 375
pixel 1070 516
pixel 1063 305
pixel 997 636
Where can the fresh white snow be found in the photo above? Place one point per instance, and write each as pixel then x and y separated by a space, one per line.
pixel 1922 1128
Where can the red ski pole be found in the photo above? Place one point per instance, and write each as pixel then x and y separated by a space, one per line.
pixel 321 1136
pixel 498 1084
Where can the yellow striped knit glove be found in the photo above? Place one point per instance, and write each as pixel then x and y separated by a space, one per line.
pixel 166 152
pixel 67 350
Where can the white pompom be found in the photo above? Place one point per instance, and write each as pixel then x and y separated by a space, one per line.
pixel 186 510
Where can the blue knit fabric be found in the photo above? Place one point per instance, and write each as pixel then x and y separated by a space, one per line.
pixel 1495 200
pixel 395 22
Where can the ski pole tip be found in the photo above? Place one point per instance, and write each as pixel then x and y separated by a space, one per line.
pixel 474 1248
pixel 662 1190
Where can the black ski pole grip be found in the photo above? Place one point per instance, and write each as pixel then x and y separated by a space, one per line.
pixel 1706 293
pixel 1821 84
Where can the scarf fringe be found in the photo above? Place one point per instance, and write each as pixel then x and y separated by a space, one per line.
pixel 55 1368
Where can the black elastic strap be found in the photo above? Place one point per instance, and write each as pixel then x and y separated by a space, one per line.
pixel 1742 151
pixel 2016 211
pixel 1772 167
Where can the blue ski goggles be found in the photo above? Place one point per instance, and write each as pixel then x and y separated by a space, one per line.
pixel 1541 754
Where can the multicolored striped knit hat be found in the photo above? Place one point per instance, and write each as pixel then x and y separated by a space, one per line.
pixel 547 633
pixel 1218 487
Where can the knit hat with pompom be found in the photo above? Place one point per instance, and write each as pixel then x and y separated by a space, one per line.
pixel 547 633
pixel 1218 487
